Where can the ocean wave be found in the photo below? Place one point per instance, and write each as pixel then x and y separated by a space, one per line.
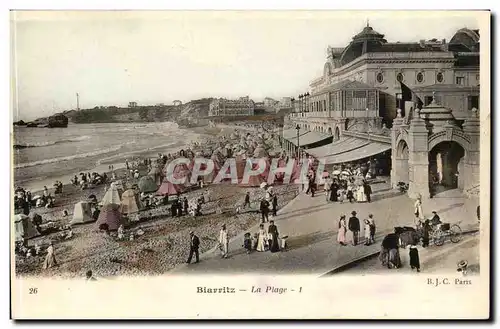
pixel 62 141
pixel 110 159
pixel 68 158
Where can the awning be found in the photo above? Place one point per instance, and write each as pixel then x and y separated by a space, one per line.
pixel 337 147
pixel 367 150
pixel 311 137
pixel 292 133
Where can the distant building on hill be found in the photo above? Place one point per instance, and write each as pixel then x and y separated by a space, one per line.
pixel 242 106
pixel 132 104
pixel 269 102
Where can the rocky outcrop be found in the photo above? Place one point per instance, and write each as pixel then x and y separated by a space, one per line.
pixel 20 123
pixel 58 121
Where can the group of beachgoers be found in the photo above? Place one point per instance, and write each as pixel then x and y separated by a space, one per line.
pixel 24 201
pixel 88 180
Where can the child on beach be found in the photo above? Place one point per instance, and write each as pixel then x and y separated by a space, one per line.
pixel 247 242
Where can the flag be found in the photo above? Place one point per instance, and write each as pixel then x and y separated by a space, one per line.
pixel 408 95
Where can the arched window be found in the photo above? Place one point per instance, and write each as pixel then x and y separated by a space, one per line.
pixel 400 77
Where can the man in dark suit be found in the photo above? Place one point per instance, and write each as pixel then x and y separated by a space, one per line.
pixel 194 246
pixel 264 209
pixel 368 191
pixel 354 227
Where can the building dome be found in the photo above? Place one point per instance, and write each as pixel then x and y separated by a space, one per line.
pixel 465 40
pixel 369 33
pixel 365 41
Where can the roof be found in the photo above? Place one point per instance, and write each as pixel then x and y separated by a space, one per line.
pixel 292 133
pixel 368 33
pixel 345 85
pixel 347 150
pixel 308 138
pixel 403 47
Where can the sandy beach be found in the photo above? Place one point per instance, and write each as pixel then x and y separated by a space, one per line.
pixel 165 242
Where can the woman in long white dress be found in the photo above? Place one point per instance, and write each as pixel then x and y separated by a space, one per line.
pixel 261 239
pixel 360 194
pixel 367 232
pixel 50 259
pixel 418 208
pixel 342 231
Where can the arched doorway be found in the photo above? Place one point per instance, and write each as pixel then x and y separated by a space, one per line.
pixel 446 167
pixel 330 131
pixel 402 162
pixel 337 134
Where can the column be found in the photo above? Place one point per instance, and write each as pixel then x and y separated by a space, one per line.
pixel 418 145
pixel 396 165
pixel 472 163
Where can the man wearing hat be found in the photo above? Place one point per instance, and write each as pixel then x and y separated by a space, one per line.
pixel 354 227
pixel 435 220
pixel 194 246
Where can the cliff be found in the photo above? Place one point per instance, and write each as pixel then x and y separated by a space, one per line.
pixel 194 110
pixel 58 121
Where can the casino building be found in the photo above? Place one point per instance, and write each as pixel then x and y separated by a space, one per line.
pixel 357 109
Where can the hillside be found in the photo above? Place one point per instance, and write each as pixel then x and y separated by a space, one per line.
pixel 190 113
pixel 128 114
pixel 195 109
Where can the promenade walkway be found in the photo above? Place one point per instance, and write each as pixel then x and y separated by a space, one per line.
pixel 312 225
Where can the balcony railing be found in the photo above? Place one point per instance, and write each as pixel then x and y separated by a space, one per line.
pixel 337 114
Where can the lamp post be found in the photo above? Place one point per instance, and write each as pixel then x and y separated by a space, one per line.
pixel 298 142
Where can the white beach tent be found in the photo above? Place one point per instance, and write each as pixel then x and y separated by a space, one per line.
pixel 112 196
pixel 24 228
pixel 82 213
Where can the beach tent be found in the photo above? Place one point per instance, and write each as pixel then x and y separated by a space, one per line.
pixel 170 188
pixel 110 215
pixel 24 228
pixel 130 202
pixel 210 177
pixel 260 152
pixel 155 173
pixel 82 213
pixel 254 180
pixel 147 184
pixel 112 196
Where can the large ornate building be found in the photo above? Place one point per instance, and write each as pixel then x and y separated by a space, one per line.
pixel 359 98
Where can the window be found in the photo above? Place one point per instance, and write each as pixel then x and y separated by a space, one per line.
pixel 473 102
pixel 380 77
pixel 460 81
pixel 399 102
pixel 400 77
pixel 440 77
pixel 420 77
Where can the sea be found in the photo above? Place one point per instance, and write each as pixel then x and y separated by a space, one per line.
pixel 43 155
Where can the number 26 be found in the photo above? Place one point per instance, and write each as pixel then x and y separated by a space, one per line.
pixel 33 291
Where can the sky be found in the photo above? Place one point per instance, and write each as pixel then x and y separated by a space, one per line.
pixel 113 57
